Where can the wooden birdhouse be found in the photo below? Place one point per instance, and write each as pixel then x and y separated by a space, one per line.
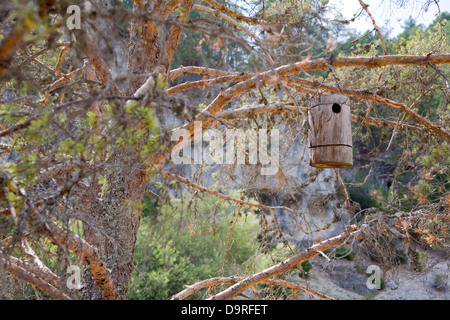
pixel 330 132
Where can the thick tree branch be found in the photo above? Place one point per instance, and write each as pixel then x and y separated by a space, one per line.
pixel 34 275
pixel 350 234
pixel 210 283
pixel 100 66
pixel 204 71
pixel 206 83
pixel 373 97
pixel 234 14
pixel 174 35
pixel 267 77
pixel 88 255
pixel 66 239
pixel 400 224
pixel 253 110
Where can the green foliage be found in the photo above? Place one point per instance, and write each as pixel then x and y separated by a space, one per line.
pixel 186 241
pixel 340 253
pixel 363 189
pixel 305 267
pixel 128 4
pixel 24 171
pixel 181 243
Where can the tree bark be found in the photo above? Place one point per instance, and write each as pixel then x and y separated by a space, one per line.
pixel 113 221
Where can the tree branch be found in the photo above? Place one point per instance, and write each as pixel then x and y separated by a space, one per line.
pixel 86 252
pixel 99 64
pixel 174 35
pixel 88 255
pixel 222 196
pixel 61 57
pixel 262 79
pixel 376 98
pixel 351 233
pixel 253 110
pixel 366 8
pixel 210 283
pixel 204 71
pixel 233 14
pixel 206 83
pixel 227 18
pixel 34 275
pixel 265 78
pixel 442 74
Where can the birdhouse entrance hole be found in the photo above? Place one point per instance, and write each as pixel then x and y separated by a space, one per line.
pixel 336 108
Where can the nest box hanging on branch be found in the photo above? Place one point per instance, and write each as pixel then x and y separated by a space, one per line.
pixel 330 132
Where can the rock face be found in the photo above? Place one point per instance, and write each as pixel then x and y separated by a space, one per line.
pixel 346 280
pixel 312 193
pixel 317 209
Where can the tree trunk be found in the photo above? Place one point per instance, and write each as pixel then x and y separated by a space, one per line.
pixel 113 220
pixel 112 216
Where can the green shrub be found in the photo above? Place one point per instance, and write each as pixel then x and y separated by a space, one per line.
pixel 185 242
pixel 340 252
pixel 305 267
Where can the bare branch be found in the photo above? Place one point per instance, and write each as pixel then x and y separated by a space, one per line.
pixel 253 110
pixel 206 83
pixel 34 275
pixel 210 283
pixel 373 62
pixel 442 74
pixel 204 71
pixel 61 81
pixel 373 97
pixel 366 8
pixel 351 233
pixel 227 18
pixel 221 195
pixel 233 14
pixel 87 253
